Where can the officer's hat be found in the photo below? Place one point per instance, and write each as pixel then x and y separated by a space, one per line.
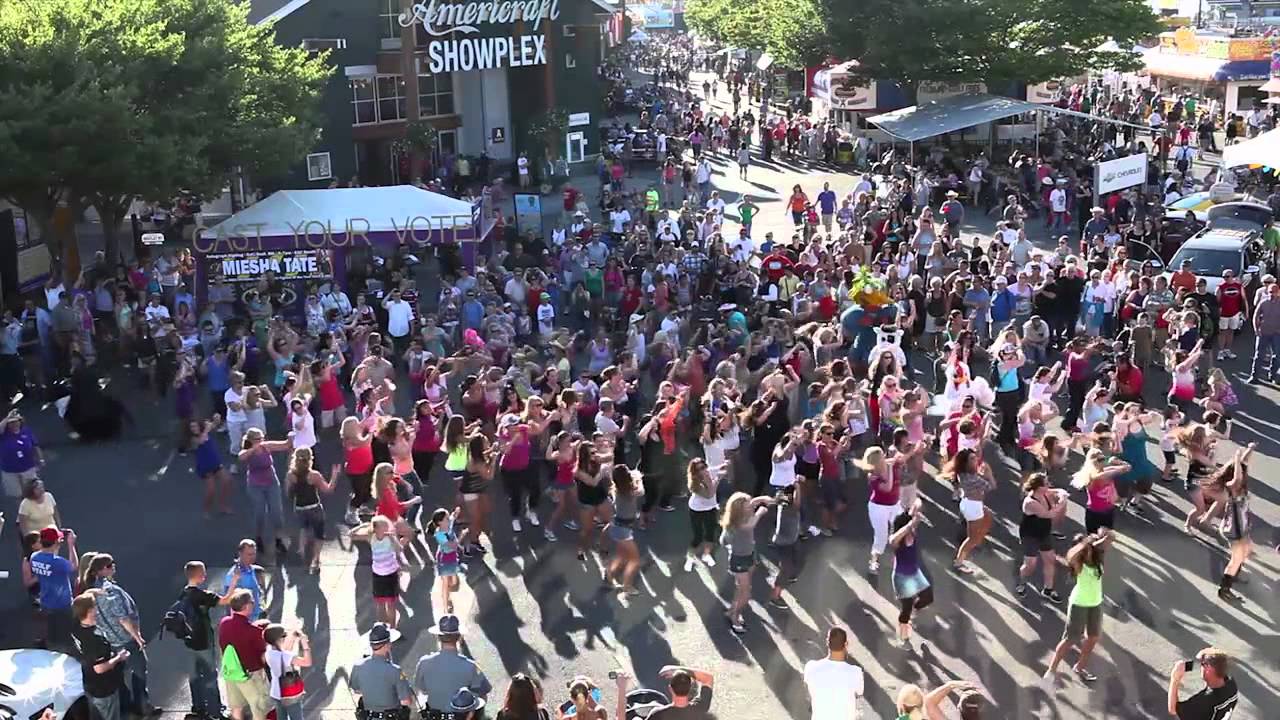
pixel 379 635
pixel 465 701
pixel 447 625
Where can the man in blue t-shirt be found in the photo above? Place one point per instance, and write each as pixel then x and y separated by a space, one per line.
pixel 827 205
pixel 243 575
pixel 55 575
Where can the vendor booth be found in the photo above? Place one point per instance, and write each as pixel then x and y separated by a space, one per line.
pixel 1263 150
pixel 298 237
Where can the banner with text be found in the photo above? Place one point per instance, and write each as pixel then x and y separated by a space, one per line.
pixel 1120 173
pixel 286 265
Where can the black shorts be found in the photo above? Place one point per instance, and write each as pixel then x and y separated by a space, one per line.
pixel 807 470
pixel 742 563
pixel 1097 519
pixel 311 519
pixel 1033 546
pixel 1170 457
pixel 386 587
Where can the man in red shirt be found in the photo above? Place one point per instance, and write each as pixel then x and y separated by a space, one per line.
pixel 237 631
pixel 1231 312
pixel 1183 278
pixel 570 202
pixel 775 264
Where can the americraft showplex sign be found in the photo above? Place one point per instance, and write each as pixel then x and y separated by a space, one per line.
pixel 452 53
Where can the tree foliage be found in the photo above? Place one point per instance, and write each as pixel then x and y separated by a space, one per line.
pixel 105 101
pixel 995 41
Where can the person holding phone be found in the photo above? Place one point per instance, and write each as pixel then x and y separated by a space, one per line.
pixel 102 667
pixel 1217 700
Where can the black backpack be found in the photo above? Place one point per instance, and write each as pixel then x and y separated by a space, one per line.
pixel 179 618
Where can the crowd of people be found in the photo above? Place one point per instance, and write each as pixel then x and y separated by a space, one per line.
pixel 582 387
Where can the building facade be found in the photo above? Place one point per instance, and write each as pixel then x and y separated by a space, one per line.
pixel 480 71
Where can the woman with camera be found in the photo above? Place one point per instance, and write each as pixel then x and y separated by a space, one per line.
pixel 287 653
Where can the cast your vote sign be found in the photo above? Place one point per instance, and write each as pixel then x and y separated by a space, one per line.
pixel 300 264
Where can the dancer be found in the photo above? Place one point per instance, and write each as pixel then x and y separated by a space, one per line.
pixel 786 536
pixel 305 484
pixel 209 467
pixel 1234 480
pixel 1096 477
pixel 1042 506
pixel 704 507
pixel 628 489
pixel 973 480
pixel 447 558
pixel 910 586
pixel 738 525
pixel 387 552
pixel 1084 607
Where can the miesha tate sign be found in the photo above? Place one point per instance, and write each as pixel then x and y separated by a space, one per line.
pixel 450 54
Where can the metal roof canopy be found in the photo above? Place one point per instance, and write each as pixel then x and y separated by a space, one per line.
pixel 957 112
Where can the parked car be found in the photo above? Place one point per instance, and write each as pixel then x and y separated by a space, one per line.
pixel 41 683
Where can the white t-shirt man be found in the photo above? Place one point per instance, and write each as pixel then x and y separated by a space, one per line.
pixel 618 218
pixel 1058 200
pixel 716 205
pixel 399 316
pixel 235 414
pixel 157 316
pixel 834 687
pixel 546 319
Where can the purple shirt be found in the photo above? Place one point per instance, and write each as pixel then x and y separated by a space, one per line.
pixel 17 451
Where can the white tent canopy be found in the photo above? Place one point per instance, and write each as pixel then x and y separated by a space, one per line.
pixel 387 209
pixel 1262 150
pixel 638 36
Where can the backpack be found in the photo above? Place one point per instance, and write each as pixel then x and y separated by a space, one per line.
pixel 179 618
pixel 232 670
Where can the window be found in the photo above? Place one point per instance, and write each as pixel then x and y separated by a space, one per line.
pixel 319 167
pixel 391 101
pixel 435 95
pixel 389 19
pixel 569 61
pixel 364 103
pixel 569 31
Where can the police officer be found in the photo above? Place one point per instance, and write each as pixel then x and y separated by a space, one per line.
pixel 440 675
pixel 383 689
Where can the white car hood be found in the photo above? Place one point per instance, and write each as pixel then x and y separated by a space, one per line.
pixel 39 678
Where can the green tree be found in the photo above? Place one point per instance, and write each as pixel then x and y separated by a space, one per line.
pixel 996 41
pixel 151 97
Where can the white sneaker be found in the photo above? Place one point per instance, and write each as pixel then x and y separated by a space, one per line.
pixel 814 531
pixel 1047 682
pixel 550 535
pixel 532 518
pixel 708 560
pixel 688 564
pixel 1231 354
pixel 515 524
pixel 1222 355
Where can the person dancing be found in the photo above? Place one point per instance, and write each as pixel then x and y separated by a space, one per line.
pixel 1234 482
pixel 1084 607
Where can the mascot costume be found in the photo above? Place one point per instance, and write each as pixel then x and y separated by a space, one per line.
pixel 861 323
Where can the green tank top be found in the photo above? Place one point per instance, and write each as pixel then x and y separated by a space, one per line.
pixel 456 461
pixel 1088 589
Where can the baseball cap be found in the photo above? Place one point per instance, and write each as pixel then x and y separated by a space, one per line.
pixel 50 535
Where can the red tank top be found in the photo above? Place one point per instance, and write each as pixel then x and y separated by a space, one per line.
pixel 359 459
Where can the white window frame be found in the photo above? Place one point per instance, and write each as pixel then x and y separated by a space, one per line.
pixel 355 99
pixel 576 140
pixel 569 61
pixel 433 79
pixel 321 44
pixel 314 177
pixel 401 99
pixel 389 19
